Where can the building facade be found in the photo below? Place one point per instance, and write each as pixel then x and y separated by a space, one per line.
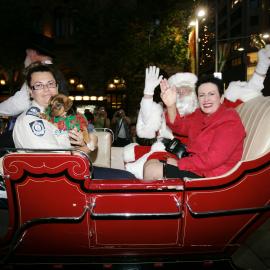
pixel 241 28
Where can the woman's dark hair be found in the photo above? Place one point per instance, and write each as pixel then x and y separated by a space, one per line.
pixel 210 79
pixel 39 67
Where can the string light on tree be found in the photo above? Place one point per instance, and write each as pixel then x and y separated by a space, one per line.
pixel 207 51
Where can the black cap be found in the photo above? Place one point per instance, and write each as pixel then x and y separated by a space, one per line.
pixel 42 44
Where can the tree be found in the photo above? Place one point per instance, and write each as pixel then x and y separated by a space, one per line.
pixel 147 43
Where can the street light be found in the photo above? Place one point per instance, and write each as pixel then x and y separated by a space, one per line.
pixel 216 37
pixel 199 14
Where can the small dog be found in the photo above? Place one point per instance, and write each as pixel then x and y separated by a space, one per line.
pixel 59 113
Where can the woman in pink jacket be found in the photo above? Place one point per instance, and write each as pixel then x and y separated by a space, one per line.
pixel 215 134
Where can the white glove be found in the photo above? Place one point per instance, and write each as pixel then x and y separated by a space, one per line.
pixel 152 80
pixel 263 60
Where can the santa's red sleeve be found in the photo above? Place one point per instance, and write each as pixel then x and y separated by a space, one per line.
pixel 232 104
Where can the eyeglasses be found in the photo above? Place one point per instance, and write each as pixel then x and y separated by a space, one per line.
pixel 40 86
pixel 184 90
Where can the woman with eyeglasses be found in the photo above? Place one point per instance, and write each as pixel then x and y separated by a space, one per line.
pixel 215 134
pixel 30 131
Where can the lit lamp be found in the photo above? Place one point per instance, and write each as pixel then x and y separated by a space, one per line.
pixel 80 86
pixel 116 80
pixel 116 84
pixel 265 36
pixel 72 81
pixel 199 14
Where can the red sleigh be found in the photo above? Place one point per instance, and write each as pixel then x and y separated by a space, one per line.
pixel 58 213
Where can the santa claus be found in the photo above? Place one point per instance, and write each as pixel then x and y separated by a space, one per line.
pixel 151 122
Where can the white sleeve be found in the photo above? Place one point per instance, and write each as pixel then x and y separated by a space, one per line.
pixel 146 109
pixel 149 119
pixel 17 103
pixel 33 132
pixel 245 91
pixel 256 82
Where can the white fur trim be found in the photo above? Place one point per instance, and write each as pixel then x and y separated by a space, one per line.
pixel 183 79
pixel 165 131
pixel 157 147
pixel 129 153
pixel 256 82
pixel 136 167
pixel 240 90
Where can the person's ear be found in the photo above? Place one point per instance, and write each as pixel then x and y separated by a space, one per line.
pixel 222 99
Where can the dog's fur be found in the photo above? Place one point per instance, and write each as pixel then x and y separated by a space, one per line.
pixel 60 106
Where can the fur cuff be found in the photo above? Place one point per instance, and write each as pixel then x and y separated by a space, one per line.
pixel 129 153
pixel 242 91
pixel 136 167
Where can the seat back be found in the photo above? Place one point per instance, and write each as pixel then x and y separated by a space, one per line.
pixel 102 155
pixel 117 161
pixel 255 115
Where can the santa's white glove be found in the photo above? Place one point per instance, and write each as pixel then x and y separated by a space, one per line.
pixel 263 60
pixel 152 80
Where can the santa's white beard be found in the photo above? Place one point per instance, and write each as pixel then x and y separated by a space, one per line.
pixel 187 104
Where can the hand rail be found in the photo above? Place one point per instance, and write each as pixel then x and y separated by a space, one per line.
pixel 128 215
pixel 238 211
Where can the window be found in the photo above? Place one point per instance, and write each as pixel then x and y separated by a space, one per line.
pixel 252 58
pixel 237 62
